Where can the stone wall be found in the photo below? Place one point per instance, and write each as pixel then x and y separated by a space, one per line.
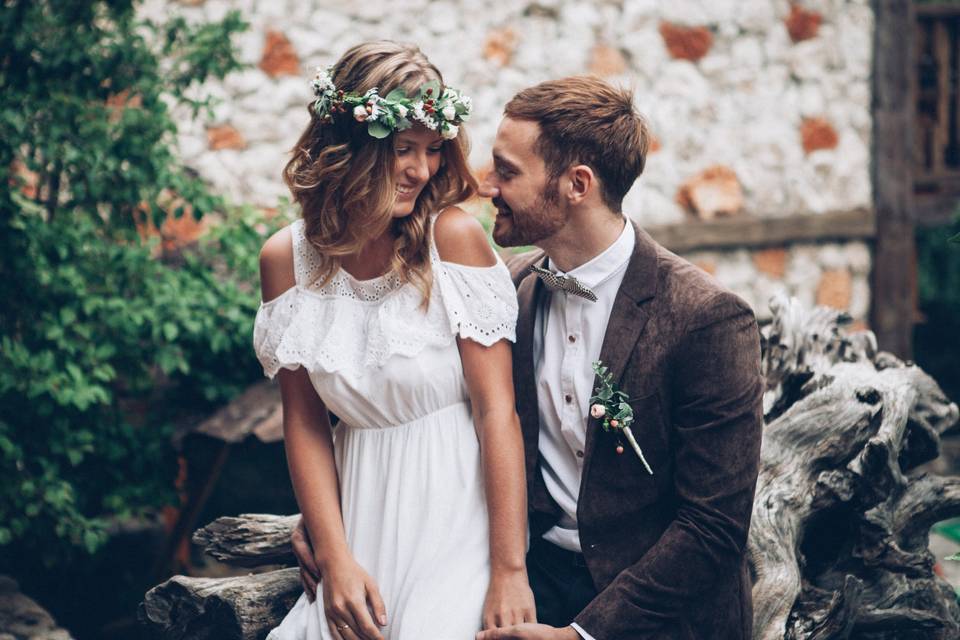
pixel 759 107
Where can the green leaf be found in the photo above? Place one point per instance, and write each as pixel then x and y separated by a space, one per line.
pixel 378 130
pixel 170 331
pixel 91 541
pixel 955 239
pixel 396 95
pixel 430 90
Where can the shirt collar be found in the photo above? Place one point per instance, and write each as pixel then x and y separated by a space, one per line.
pixel 608 262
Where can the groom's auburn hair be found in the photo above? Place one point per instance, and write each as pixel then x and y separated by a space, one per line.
pixel 585 120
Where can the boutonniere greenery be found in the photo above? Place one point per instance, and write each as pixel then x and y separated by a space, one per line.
pixel 612 406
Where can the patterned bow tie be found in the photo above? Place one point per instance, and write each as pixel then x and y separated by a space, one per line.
pixel 568 284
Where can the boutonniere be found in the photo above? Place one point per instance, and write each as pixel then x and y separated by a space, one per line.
pixel 613 406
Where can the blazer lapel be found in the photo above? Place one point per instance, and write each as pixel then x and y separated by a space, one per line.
pixel 529 293
pixel 627 320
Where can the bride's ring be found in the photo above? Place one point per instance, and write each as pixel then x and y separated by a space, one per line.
pixel 341 627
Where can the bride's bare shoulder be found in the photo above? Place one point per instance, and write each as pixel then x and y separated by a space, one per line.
pixel 461 239
pixel 276 264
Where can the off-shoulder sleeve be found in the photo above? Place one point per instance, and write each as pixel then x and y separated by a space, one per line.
pixel 271 324
pixel 481 302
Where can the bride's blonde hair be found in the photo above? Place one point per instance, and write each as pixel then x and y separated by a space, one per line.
pixel 343 178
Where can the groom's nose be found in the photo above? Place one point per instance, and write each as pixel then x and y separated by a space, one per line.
pixel 487 190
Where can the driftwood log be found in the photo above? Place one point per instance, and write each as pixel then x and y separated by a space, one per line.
pixel 839 537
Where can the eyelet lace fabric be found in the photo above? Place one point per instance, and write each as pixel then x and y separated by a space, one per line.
pixel 349 325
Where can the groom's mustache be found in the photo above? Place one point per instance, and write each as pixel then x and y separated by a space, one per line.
pixel 500 204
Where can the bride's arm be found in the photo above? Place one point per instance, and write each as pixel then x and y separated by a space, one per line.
pixel 489 377
pixel 490 382
pixel 308 442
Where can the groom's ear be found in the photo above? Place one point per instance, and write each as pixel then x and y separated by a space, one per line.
pixel 582 183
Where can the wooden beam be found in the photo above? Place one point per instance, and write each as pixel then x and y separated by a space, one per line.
pixel 894 111
pixel 938 9
pixel 744 232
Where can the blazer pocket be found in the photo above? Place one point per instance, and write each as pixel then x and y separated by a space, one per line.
pixel 623 475
pixel 649 429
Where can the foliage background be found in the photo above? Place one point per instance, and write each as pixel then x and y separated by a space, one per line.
pixel 109 337
pixel 937 336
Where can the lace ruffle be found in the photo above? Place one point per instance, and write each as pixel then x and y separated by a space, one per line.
pixel 349 325
pixel 480 302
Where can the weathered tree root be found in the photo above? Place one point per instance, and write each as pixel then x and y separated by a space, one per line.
pixel 838 541
pixel 839 536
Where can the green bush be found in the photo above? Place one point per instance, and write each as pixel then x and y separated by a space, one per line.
pixel 105 347
pixel 936 346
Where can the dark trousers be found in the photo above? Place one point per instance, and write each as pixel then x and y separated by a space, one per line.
pixel 561 584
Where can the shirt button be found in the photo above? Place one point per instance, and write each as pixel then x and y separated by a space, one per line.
pixel 568 398
pixel 571 339
pixel 579 454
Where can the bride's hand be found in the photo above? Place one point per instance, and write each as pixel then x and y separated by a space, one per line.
pixel 509 600
pixel 349 597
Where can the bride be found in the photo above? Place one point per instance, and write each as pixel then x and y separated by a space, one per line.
pixel 386 306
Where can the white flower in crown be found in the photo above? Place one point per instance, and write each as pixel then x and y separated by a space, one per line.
pixel 450 132
pixel 467 106
pixel 423 117
pixel 323 81
pixel 449 111
pixel 401 111
pixel 360 113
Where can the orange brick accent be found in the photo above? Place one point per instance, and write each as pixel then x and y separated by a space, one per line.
pixel 179 232
pixel 117 102
pixel 772 262
pixel 26 179
pixel 123 99
pixel 174 232
pixel 857 325
pixel 802 24
pixel 607 61
pixel 686 43
pixel 817 133
pixel 499 45
pixel 707 265
pixel 225 137
pixel 835 288
pixel 714 191
pixel 279 57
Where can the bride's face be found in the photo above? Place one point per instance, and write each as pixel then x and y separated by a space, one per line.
pixel 417 154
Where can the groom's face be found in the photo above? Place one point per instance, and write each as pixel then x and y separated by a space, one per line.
pixel 528 202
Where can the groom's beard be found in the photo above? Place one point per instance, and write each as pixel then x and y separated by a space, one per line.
pixel 520 227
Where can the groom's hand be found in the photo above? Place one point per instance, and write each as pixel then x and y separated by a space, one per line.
pixel 529 631
pixel 309 572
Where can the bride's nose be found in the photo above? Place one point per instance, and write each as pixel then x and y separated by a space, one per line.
pixel 417 168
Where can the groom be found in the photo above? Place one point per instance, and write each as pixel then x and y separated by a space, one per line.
pixel 618 552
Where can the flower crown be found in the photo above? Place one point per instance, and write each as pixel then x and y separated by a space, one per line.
pixel 440 109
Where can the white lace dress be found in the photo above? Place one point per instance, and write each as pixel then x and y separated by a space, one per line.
pixel 406 448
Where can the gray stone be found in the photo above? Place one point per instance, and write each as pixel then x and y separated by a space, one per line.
pixel 22 617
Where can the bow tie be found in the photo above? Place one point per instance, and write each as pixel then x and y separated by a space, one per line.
pixel 568 284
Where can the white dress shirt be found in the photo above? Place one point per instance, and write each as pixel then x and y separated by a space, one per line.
pixel 567 337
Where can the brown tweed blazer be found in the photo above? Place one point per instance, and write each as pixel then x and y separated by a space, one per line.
pixel 667 551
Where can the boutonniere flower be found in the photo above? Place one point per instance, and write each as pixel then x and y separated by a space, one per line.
pixel 613 407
